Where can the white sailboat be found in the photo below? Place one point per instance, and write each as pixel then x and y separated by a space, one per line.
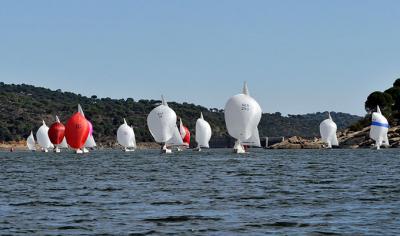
pixel 43 138
pixel 30 142
pixel 328 130
pixel 242 116
pixel 203 133
pixel 379 129
pixel 162 125
pixel 126 137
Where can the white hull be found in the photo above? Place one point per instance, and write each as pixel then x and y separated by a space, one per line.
pixel 57 150
pixel 239 151
pixel 128 150
pixel 238 148
pixel 78 151
pixel 166 151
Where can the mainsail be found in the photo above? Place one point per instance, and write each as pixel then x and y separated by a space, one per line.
pixel 43 137
pixel 30 142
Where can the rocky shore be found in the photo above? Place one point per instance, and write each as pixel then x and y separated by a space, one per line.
pixel 346 138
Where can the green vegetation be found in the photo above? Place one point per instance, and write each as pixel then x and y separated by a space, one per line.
pixel 388 101
pixel 23 107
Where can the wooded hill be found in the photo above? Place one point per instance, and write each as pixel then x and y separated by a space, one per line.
pixel 23 107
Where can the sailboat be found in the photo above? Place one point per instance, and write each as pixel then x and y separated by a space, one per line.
pixel 77 131
pixel 203 133
pixel 379 129
pixel 57 134
pixel 185 134
pixel 242 116
pixel 89 143
pixel 162 125
pixel 126 137
pixel 30 142
pixel 43 138
pixel 328 130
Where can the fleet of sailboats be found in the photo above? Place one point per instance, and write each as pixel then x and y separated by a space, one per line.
pixel 242 116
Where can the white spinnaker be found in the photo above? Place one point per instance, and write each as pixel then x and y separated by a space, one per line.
pixel 379 128
pixel 176 139
pixel 124 135
pixel 30 142
pixel 203 132
pixel 42 137
pixel 328 130
pixel 242 115
pixel 162 122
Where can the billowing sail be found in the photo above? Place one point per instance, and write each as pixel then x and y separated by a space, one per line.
pixel 185 133
pixel 176 139
pixel 125 135
pixel 57 132
pixel 242 115
pixel 203 132
pixel 43 137
pixel 328 130
pixel 379 129
pixel 162 123
pixel 30 142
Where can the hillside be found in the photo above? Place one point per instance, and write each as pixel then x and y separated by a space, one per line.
pixel 23 107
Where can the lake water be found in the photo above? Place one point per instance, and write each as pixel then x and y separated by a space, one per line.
pixel 315 192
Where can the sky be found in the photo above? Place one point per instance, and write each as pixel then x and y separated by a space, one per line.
pixel 296 56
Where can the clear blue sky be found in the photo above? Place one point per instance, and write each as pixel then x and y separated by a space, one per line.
pixel 297 56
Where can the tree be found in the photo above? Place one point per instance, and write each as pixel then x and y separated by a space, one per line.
pixel 395 93
pixel 384 100
pixel 396 83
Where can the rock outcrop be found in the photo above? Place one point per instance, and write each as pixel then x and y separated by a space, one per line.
pixel 298 143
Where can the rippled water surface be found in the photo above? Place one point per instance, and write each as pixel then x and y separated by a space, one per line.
pixel 312 192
